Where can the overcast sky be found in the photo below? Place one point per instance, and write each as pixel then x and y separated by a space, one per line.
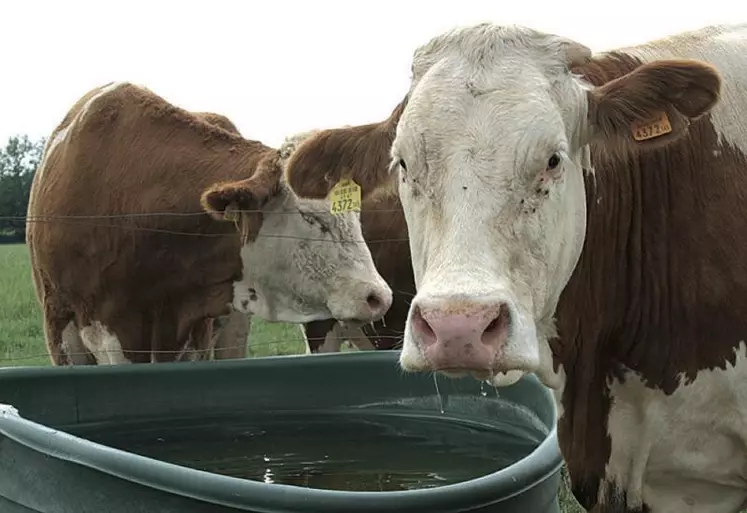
pixel 278 66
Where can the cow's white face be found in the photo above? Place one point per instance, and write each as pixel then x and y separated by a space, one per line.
pixel 300 262
pixel 307 264
pixel 489 155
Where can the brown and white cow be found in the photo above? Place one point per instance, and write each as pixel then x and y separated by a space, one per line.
pixel 134 251
pixel 385 232
pixel 580 216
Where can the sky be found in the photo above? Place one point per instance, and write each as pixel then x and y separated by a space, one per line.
pixel 277 67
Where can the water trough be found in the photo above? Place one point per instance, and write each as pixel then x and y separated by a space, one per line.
pixel 187 437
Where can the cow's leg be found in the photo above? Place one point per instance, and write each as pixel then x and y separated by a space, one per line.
pixel 357 338
pixel 338 334
pixel 200 343
pixel 332 341
pixel 64 344
pixel 53 335
pixel 316 333
pixel 103 343
pixel 73 346
pixel 231 334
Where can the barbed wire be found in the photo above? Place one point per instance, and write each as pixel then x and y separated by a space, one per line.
pixel 250 347
pixel 69 220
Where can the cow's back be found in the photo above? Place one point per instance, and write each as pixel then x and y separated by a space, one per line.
pixel 122 239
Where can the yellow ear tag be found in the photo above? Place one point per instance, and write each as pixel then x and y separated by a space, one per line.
pixel 345 196
pixel 650 129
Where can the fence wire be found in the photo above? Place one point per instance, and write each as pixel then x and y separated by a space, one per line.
pixel 80 220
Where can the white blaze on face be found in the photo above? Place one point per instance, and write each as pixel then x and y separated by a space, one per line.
pixel 493 193
pixel 308 265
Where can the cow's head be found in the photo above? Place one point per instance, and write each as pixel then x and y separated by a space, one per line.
pixel 301 263
pixel 488 158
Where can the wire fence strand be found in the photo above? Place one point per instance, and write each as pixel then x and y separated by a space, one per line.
pixel 74 220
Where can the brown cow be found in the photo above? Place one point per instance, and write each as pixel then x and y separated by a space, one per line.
pixel 128 266
pixel 580 217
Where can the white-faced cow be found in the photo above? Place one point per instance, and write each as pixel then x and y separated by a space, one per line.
pixel 581 216
pixel 385 231
pixel 129 267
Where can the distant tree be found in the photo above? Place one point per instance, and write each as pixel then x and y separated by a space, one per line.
pixel 18 162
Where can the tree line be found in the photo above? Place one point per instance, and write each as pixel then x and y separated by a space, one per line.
pixel 19 159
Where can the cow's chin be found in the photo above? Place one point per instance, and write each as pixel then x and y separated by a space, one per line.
pixel 496 379
pixel 505 379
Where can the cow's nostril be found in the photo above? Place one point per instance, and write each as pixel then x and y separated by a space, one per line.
pixel 422 326
pixel 374 302
pixel 498 325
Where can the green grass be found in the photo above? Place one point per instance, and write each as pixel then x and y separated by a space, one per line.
pixel 21 332
pixel 22 336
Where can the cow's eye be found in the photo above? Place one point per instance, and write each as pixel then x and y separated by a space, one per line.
pixel 554 161
pixel 403 165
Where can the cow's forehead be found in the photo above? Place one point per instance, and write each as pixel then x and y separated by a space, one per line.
pixel 506 89
pixel 496 117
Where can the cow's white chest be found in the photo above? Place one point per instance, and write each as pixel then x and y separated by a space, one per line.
pixel 686 452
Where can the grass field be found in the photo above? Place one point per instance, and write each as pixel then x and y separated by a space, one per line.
pixel 22 338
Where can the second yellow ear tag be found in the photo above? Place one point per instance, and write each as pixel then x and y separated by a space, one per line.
pixel 345 196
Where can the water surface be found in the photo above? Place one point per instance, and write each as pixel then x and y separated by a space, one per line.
pixel 353 451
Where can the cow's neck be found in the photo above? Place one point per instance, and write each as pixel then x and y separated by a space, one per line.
pixel 660 288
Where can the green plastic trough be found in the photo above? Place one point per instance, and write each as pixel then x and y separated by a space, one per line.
pixel 44 468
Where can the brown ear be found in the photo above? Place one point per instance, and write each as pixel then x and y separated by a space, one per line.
pixel 241 201
pixel 653 105
pixel 360 153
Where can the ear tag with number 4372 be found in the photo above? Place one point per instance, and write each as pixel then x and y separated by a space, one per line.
pixel 657 126
pixel 345 196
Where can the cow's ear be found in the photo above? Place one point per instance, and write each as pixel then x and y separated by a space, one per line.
pixel 360 153
pixel 223 199
pixel 653 105
pixel 241 201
